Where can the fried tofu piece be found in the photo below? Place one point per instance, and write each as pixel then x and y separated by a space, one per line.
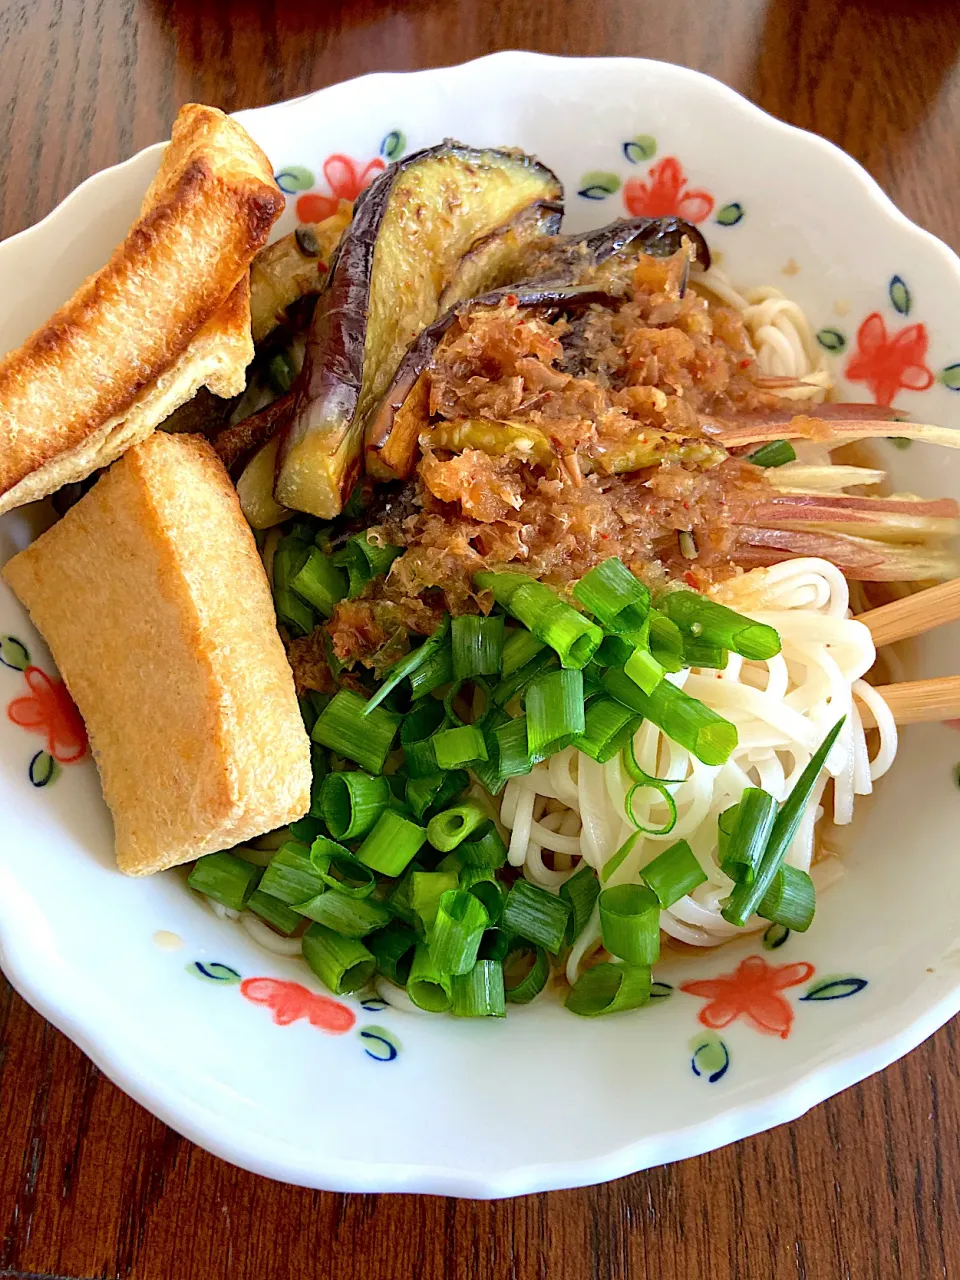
pixel 153 600
pixel 169 313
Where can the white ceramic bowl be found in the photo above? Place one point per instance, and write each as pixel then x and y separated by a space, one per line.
pixel 542 1099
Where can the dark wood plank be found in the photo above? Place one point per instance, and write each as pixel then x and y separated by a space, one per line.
pixel 866 1186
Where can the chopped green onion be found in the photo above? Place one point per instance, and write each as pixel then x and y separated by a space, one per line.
pixel 340 870
pixel 459 746
pixel 457 930
pixel 745 899
pixel 700 653
pixel 276 913
pixel 291 875
pixel 525 973
pixel 609 988
pixel 428 794
pixel 344 727
pixel 608 728
pixel 225 878
pixel 484 885
pixel 413 661
pixel 772 454
pixel 644 670
pixel 643 781
pixel 364 561
pixel 280 372
pixel 616 860
pixel 351 917
pixel 630 923
pixel 416 737
pixel 435 671
pixel 574 638
pixel 688 722
pixel 479 993
pixel 715 624
pixel 611 593
pixel 532 913
pixel 427 987
pixel 665 641
pixel 726 825
pixel 427 890
pixel 581 892
pixel 673 874
pixel 513 685
pixel 748 838
pixel 450 862
pixel 791 899
pixel 319 582
pixel 485 850
pixel 343 964
pixel 292 610
pixel 519 647
pixel 352 803
pixel 495 945
pixel 393 947
pixel 311 704
pixel 555 712
pixel 451 828
pixel 307 829
pixel 392 843
pixel 615 651
pixel 477 645
pixel 400 901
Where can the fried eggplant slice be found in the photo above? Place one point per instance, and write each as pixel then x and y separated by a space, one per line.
pixel 503 256
pixel 291 268
pixel 410 229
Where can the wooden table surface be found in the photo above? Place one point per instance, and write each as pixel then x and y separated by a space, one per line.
pixel 867 1185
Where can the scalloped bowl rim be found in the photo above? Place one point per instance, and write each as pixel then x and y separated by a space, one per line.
pixel 74 1012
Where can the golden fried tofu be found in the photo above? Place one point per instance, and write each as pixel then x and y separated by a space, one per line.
pixel 153 600
pixel 169 313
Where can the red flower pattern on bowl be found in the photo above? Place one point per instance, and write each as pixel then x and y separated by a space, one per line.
pixel 752 991
pixel 48 709
pixel 666 192
pixel 290 1001
pixel 889 363
pixel 346 178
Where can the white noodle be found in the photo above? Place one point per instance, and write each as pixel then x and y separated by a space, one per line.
pixel 266 937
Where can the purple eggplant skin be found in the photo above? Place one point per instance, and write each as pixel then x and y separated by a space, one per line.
pixel 410 229
pixel 393 433
pixel 501 258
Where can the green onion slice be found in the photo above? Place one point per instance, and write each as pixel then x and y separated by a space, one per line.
pixel 351 917
pixel 715 624
pixel 608 728
pixel 427 889
pixel 613 595
pixel 572 636
pixel 772 454
pixel 462 745
pixel 427 795
pixel 352 803
pixel 343 964
pixel 225 878
pixel 643 781
pixel 630 923
pixel 519 647
pixel 532 913
pixel 427 987
pixel 319 582
pixel 345 728
pixel 450 828
pixel 684 719
pixel 412 662
pixel 745 845
pixel 486 849
pixel 609 988
pixel 555 711
pixel 393 948
pixel 791 899
pixel 673 874
pixel 276 913
pixel 525 973
pixel 479 993
pixel 665 641
pixel 644 669
pixel 745 899
pixel 484 885
pixel 291 875
pixel 477 646
pixel 392 843
pixel 581 892
pixel 617 859
pixel 432 673
pixel 340 870
pixel 459 925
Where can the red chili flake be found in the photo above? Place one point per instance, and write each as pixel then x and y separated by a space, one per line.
pixel 322 268
pixel 690 578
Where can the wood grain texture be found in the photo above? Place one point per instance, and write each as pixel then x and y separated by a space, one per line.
pixel 866 1186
